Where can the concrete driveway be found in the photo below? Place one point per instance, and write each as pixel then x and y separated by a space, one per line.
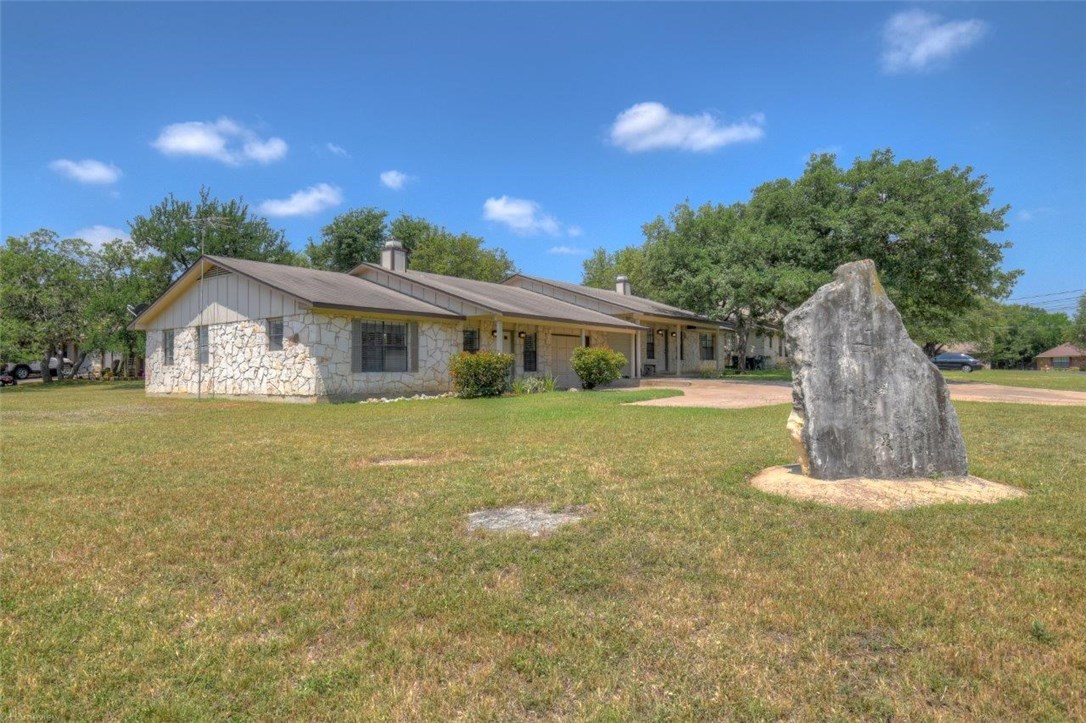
pixel 720 394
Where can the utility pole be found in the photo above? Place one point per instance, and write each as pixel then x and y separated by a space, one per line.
pixel 203 223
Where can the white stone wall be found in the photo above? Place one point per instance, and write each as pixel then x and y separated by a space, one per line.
pixel 239 362
pixel 331 350
pixel 315 362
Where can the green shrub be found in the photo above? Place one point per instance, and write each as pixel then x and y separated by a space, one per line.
pixel 597 365
pixel 482 374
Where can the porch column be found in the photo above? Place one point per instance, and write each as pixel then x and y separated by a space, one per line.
pixel 678 349
pixel 718 348
pixel 583 337
pixel 633 355
pixel 499 343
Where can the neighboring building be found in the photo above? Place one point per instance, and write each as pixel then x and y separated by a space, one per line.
pixel 267 331
pixel 1065 356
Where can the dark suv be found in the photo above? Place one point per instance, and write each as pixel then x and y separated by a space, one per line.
pixel 957 360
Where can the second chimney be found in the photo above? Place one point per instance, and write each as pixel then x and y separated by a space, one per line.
pixel 622 285
pixel 393 257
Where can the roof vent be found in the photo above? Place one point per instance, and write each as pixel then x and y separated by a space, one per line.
pixel 393 256
pixel 622 285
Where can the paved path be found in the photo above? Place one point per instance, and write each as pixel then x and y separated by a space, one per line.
pixel 719 394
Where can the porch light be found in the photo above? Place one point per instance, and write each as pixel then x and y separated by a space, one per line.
pixel 674 334
pixel 660 332
pixel 521 334
pixel 493 332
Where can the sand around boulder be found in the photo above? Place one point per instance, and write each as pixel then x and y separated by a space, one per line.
pixel 881 494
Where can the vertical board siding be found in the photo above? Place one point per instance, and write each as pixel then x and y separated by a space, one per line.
pixel 226 299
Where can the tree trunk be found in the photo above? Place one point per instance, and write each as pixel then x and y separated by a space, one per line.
pixel 75 367
pixel 101 364
pixel 46 373
pixel 742 334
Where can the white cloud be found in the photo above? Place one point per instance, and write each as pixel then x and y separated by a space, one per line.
pixel 1032 214
pixel 87 170
pixel 338 150
pixel 566 251
pixel 395 179
pixel 98 234
pixel 653 127
pixel 306 202
pixel 916 40
pixel 223 140
pixel 574 231
pixel 521 215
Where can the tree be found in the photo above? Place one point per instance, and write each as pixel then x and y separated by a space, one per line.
pixel 121 277
pixel 44 283
pixel 1022 332
pixel 177 230
pixel 435 249
pixel 1077 334
pixel 601 268
pixel 350 239
pixel 925 228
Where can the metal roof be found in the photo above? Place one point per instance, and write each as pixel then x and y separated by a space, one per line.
pixel 510 300
pixel 636 304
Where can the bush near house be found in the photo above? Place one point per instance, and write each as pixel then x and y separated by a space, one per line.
pixel 597 365
pixel 480 374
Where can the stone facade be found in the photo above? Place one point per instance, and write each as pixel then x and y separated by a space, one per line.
pixel 314 364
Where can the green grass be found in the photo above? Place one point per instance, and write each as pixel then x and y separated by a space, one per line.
pixel 1067 381
pixel 173 560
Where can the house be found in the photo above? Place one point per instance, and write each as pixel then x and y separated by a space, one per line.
pixel 250 329
pixel 1064 356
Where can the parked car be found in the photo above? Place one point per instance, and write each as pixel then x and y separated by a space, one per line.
pixel 23 370
pixel 958 361
pixel 7 380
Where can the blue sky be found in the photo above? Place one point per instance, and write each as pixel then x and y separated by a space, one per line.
pixel 549 129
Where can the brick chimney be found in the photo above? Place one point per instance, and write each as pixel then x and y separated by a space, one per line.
pixel 393 257
pixel 622 285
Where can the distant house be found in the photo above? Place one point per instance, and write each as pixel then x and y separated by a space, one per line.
pixel 1064 356
pixel 242 328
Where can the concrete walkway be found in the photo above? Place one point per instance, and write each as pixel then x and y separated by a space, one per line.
pixel 721 394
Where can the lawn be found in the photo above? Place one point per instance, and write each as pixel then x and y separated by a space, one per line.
pixel 1068 381
pixel 174 560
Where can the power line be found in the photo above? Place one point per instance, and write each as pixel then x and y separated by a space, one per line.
pixel 1054 293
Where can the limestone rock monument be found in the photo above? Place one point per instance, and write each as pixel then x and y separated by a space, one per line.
pixel 866 402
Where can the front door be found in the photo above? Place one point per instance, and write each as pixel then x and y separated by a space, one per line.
pixel 508 339
pixel 562 346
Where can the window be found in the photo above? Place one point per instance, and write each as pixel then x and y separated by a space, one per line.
pixel 275 334
pixel 471 340
pixel 201 343
pixel 167 347
pixel 682 350
pixel 381 346
pixel 1061 362
pixel 650 345
pixel 530 357
pixel 708 347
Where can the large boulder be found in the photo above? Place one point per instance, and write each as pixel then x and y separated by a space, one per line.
pixel 866 401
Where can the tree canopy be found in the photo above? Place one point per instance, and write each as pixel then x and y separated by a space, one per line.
pixel 357 236
pixel 602 267
pixel 1022 332
pixel 927 230
pixel 177 230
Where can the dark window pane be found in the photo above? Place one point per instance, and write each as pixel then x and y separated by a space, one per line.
pixel 530 356
pixel 275 335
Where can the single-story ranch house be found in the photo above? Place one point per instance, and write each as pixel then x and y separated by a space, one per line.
pixel 268 331
pixel 1064 356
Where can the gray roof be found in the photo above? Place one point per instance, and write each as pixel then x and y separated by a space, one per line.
pixel 636 304
pixel 331 289
pixel 511 300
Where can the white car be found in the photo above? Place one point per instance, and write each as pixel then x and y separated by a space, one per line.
pixel 23 370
